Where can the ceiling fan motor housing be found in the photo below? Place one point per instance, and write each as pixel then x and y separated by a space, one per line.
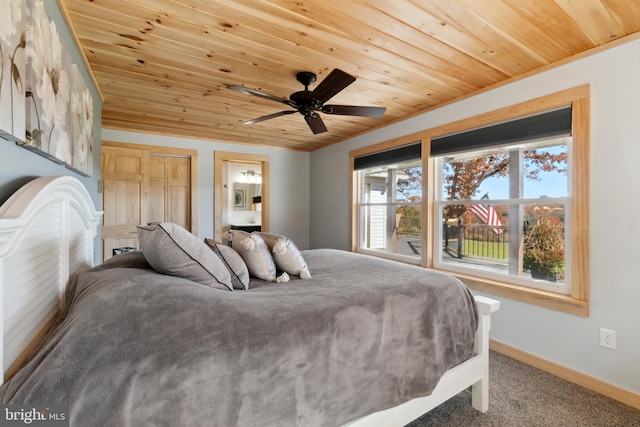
pixel 306 104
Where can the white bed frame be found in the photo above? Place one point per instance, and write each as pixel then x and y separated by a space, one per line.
pixel 472 373
pixel 47 230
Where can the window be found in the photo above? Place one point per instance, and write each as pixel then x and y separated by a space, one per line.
pixel 493 190
pixel 390 203
pixel 503 212
pixel 542 192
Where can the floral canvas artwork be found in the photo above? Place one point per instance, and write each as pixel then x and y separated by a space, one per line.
pixel 59 119
pixel 81 125
pixel 12 69
pixel 48 87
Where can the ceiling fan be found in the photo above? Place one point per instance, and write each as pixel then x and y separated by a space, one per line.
pixel 309 103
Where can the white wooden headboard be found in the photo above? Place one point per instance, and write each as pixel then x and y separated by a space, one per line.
pixel 47 229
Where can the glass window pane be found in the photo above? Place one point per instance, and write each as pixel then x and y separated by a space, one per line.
pixel 544 247
pixel 390 209
pixel 408 231
pixel 546 172
pixel 373 227
pixel 404 180
pixel 391 229
pixel 520 240
pixel 541 166
pixel 476 240
pixel 463 176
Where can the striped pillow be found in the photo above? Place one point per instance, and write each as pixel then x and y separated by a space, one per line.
pixel 172 250
pixel 234 263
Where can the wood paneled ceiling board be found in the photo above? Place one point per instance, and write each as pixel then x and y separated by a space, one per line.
pixel 163 66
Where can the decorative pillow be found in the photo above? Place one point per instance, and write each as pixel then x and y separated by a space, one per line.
pixel 233 261
pixel 255 253
pixel 172 250
pixel 286 255
pixel 133 259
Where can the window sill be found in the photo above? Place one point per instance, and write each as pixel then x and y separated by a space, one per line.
pixel 553 301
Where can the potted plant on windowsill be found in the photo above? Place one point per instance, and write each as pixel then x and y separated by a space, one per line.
pixel 544 249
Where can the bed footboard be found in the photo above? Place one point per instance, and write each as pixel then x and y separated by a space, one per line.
pixel 472 373
pixel 480 390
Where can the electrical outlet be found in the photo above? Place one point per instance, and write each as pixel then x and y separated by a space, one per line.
pixel 608 338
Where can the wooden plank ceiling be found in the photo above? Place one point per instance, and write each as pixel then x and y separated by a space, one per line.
pixel 163 66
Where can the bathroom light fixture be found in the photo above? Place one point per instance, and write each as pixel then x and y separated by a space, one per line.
pixel 251 177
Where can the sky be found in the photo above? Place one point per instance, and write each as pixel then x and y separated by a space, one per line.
pixel 552 184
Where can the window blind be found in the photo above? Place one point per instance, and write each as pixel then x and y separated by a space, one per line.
pixel 550 124
pixel 388 157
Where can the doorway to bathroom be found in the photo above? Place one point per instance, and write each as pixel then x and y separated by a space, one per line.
pixel 241 199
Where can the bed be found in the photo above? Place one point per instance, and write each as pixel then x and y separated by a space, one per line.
pixel 362 341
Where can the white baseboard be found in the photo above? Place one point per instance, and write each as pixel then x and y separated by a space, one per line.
pixel 625 396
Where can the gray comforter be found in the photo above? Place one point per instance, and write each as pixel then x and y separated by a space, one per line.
pixel 137 348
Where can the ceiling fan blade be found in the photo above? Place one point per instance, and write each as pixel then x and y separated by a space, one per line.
pixel 331 85
pixel 354 110
pixel 244 90
pixel 270 116
pixel 315 123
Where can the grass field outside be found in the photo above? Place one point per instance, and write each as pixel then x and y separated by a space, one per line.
pixel 485 249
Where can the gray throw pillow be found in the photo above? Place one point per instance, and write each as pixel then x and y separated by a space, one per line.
pixel 286 254
pixel 234 263
pixel 255 254
pixel 172 250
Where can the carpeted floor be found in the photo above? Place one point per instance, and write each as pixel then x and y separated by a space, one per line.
pixel 521 395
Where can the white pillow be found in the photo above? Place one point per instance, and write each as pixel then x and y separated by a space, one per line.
pixel 286 254
pixel 172 250
pixel 255 254
pixel 234 263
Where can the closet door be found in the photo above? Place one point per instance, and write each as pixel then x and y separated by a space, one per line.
pixel 170 179
pixel 125 196
pixel 143 184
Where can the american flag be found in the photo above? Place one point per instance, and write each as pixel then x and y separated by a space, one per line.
pixel 487 214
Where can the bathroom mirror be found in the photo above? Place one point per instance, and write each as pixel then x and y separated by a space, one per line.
pixel 243 195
